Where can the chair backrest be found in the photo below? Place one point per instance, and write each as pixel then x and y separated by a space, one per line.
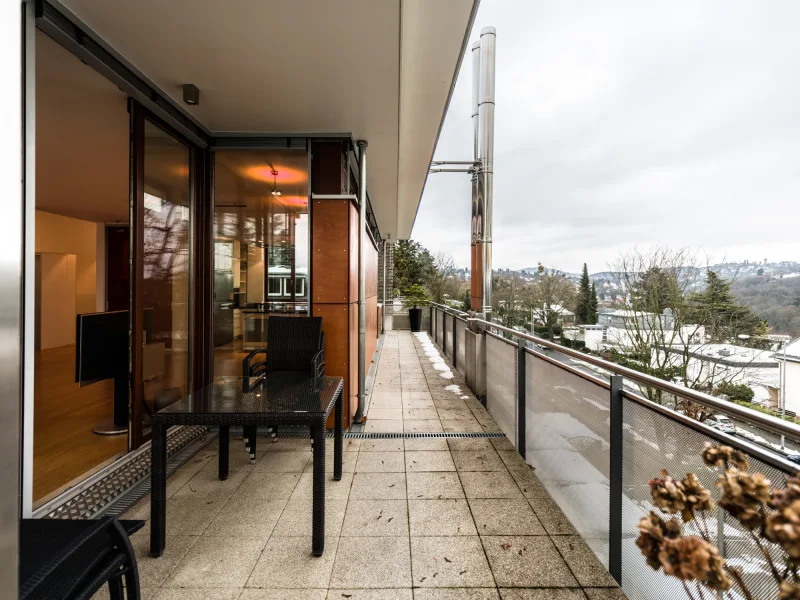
pixel 292 342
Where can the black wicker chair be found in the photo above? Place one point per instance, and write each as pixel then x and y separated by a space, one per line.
pixel 294 344
pixel 73 559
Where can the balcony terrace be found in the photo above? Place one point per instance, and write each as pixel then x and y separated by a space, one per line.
pixel 421 517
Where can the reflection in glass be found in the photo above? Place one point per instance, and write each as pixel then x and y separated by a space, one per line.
pixel 261 214
pixel 165 292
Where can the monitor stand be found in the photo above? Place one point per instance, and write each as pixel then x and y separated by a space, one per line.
pixel 120 423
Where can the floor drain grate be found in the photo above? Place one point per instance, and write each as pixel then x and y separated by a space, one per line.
pixel 292 435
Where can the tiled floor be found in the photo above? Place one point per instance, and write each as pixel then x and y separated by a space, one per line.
pixel 424 519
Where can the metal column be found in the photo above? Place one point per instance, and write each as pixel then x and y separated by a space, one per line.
pixel 521 398
pixel 486 168
pixel 362 304
pixel 615 482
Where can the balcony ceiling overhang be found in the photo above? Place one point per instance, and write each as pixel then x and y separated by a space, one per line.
pixel 379 70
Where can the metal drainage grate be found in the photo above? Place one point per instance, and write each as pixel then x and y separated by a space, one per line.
pixel 97 494
pixel 385 436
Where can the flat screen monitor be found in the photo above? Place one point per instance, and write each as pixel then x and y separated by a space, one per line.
pixel 101 344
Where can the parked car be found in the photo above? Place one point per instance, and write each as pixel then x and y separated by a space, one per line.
pixel 795 458
pixel 721 423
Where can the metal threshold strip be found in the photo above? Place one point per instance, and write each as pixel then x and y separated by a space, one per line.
pixel 385 436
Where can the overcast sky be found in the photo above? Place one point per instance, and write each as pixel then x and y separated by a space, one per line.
pixel 627 123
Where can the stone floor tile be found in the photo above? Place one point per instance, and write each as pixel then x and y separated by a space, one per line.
pixel 541 594
pixel 385 403
pixel 284 445
pixel 190 515
pixel 304 594
pixel 252 516
pixel 505 517
pixel 296 519
pixel 334 490
pixel 528 482
pixel 390 445
pixel 512 459
pixel 383 414
pixel 502 443
pixel 416 395
pixel 429 461
pixel 380 462
pixel 456 594
pixel 420 413
pixel 489 484
pixel 217 562
pixel 372 562
pixel 348 463
pixel 420 405
pixel 378 486
pixel 206 483
pixel 468 444
pixel 551 517
pixel 384 426
pixel 194 593
pixel 389 594
pixel 283 462
pixel 288 563
pixel 422 426
pixel 462 426
pixel 426 444
pixel 376 518
pixel 153 572
pixel 527 561
pixel 449 562
pixel 455 414
pixel 433 486
pixel 605 594
pixel 583 562
pixel 268 485
pixel 478 460
pixel 440 518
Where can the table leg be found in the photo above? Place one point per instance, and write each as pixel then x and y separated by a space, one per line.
pixel 337 440
pixel 253 438
pixel 158 490
pixel 224 450
pixel 318 532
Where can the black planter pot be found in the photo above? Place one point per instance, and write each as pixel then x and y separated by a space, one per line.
pixel 415 317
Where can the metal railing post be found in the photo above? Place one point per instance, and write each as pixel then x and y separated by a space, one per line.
pixel 430 320
pixel 521 402
pixel 455 353
pixel 615 482
pixel 444 333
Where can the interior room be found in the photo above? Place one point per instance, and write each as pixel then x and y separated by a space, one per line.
pixel 82 256
pixel 261 247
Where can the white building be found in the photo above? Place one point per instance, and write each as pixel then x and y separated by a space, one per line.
pixel 563 314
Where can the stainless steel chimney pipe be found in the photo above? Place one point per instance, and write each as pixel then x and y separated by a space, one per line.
pixel 486 168
pixel 476 72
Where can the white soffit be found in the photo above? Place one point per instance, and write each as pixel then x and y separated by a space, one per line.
pixel 304 67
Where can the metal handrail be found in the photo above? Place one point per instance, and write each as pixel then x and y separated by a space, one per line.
pixel 448 308
pixel 773 424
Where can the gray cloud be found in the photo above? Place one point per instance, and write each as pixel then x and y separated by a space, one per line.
pixel 631 124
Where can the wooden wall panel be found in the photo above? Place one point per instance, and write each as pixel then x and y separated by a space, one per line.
pixel 371 267
pixel 335 324
pixel 326 168
pixel 353 264
pixel 330 261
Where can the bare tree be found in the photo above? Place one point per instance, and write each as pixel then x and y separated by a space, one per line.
pixel 662 332
pixel 548 292
pixel 441 281
pixel 507 299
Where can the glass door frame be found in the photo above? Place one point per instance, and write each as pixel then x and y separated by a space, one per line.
pixel 200 263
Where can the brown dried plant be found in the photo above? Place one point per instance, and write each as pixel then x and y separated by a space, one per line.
pixel 770 516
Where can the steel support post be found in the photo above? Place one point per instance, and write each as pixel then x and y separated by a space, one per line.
pixel 615 483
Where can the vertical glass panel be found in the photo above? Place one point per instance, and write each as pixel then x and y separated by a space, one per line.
pixel 501 383
pixel 165 289
pixel 261 213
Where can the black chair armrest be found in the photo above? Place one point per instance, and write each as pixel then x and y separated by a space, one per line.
pixel 247 366
pixel 318 360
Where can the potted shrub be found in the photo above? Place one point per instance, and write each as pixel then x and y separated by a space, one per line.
pixel 413 296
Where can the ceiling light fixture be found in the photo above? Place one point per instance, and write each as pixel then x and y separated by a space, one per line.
pixel 191 95
pixel 275 190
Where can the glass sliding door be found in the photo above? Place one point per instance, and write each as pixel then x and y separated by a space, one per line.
pixel 161 301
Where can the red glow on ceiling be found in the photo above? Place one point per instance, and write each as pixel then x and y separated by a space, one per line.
pixel 291 201
pixel 285 176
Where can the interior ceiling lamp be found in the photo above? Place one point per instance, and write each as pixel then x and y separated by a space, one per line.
pixel 275 190
pixel 191 95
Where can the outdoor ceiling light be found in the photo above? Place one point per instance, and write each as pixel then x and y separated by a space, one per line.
pixel 191 95
pixel 275 190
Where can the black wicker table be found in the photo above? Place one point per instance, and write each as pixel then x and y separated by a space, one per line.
pixel 277 399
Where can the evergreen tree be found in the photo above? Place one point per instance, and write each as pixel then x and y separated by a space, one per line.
pixel 583 311
pixel 593 306
pixel 717 310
